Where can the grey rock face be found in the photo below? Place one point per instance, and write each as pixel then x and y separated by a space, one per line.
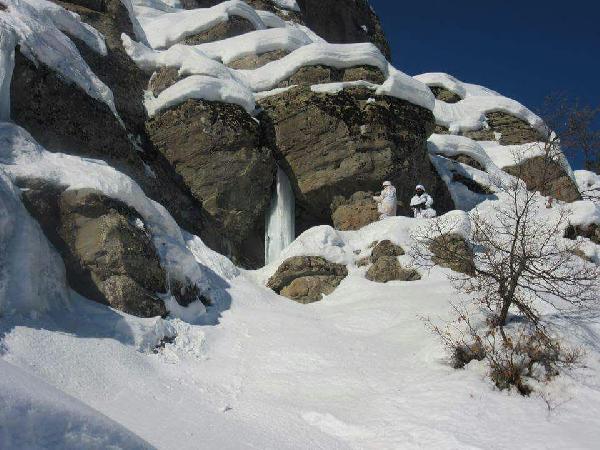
pixel 388 268
pixel 336 145
pixel 306 278
pixel 216 149
pixel 344 21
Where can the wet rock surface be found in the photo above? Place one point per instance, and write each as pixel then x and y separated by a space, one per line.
pixel 306 278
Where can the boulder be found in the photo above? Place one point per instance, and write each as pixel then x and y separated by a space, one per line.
pixel 354 213
pixel 306 278
pixel 344 21
pixel 388 268
pixel 338 144
pixel 215 148
pixel 109 255
pixel 546 176
pixel 452 251
pixel 385 248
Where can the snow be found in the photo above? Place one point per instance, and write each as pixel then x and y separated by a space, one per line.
pixel 32 274
pixel 192 61
pixel 203 88
pixel 469 113
pixel 287 4
pixel 356 370
pixel 38 26
pixel 335 88
pixel 280 226
pixel 588 183
pixel 165 28
pixel 35 415
pixel 21 156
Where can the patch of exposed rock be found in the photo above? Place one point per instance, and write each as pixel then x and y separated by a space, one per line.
pixel 254 61
pixel 388 268
pixel 466 159
pixel 452 251
pixel 471 184
pixel 386 248
pixel 445 95
pixel 344 21
pixel 216 149
pixel 591 232
pixel 108 254
pixel 338 144
pixel 305 279
pixel 354 213
pixel 235 26
pixel 546 176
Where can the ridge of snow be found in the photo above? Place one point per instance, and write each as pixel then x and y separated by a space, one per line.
pixel 21 156
pixel 468 114
pixel 165 28
pixel 38 27
pixel 192 61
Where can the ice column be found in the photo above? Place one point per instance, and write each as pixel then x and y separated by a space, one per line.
pixel 280 226
pixel 7 64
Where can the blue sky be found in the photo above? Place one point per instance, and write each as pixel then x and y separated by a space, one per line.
pixel 524 49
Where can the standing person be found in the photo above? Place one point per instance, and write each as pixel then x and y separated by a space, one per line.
pixel 421 203
pixel 387 201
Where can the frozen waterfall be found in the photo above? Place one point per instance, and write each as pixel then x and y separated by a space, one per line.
pixel 280 224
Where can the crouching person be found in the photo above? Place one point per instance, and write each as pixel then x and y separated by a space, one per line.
pixel 421 204
pixel 387 202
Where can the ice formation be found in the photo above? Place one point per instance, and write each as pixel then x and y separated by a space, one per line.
pixel 38 26
pixel 32 274
pixel 280 228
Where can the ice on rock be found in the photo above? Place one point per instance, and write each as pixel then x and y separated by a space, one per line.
pixel 280 228
pixel 21 156
pixel 7 65
pixel 32 274
pixel 291 5
pixel 38 27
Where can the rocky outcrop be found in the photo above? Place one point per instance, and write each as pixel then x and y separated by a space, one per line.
pixel 108 253
pixel 344 21
pixel 386 248
pixel 452 251
pixel 337 144
pixel 512 129
pixel 319 74
pixel 254 61
pixel 546 176
pixel 444 94
pixel 306 279
pixel 388 268
pixel 63 118
pixel 354 213
pixel 471 184
pixel 215 148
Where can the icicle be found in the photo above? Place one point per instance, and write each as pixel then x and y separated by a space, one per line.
pixel 7 65
pixel 280 227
